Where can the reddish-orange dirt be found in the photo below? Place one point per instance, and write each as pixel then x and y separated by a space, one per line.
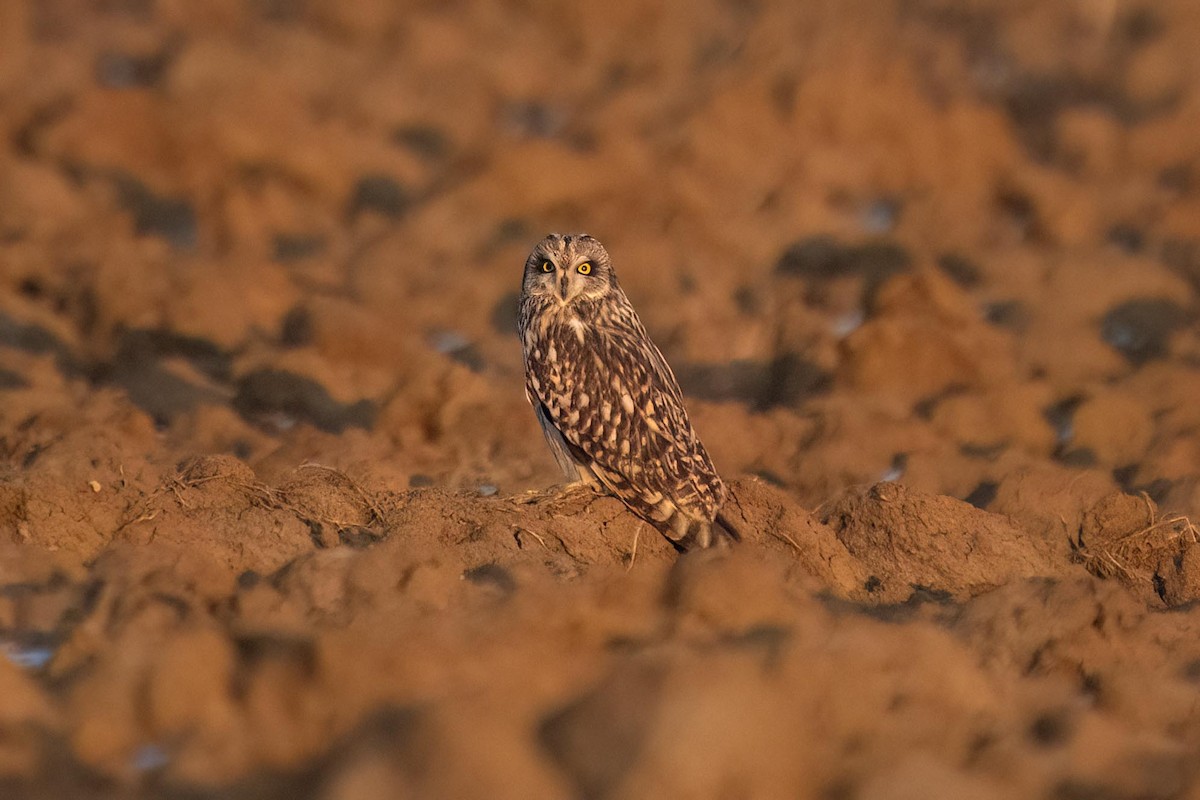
pixel 276 520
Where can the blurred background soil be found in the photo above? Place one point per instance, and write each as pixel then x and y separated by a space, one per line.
pixel 277 522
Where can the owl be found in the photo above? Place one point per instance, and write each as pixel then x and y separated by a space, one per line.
pixel 607 401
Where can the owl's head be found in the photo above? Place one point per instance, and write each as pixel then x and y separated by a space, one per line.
pixel 568 266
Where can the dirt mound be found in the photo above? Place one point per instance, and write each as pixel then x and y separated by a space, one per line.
pixel 934 543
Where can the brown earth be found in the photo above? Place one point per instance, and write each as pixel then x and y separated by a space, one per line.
pixel 276 521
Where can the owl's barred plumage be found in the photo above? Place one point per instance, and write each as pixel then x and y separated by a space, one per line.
pixel 607 401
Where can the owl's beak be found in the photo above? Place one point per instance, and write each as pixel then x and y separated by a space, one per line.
pixel 563 279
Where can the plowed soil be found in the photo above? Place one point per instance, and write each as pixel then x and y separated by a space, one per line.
pixel 277 522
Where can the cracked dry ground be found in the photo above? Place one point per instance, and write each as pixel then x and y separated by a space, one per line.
pixel 276 521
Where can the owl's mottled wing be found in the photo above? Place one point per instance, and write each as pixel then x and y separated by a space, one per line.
pixel 610 393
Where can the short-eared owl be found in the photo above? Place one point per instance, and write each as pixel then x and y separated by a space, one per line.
pixel 608 403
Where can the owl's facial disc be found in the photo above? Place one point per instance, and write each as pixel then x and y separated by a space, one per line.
pixel 568 267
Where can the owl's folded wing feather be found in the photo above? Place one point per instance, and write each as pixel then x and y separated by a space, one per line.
pixel 613 398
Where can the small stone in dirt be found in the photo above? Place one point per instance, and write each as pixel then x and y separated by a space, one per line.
pixel 597 739
pixel 959 269
pixel 1141 329
pixel 1124 476
pixel 290 247
pixel 30 652
pixel 987 452
pixel 895 470
pixel 1176 178
pixel 1061 417
pixel 425 141
pixel 297 328
pixel 783 381
pixel 357 537
pixel 160 393
pixel 848 323
pixel 881 215
pixel 144 344
pixel 927 406
pixel 1049 730
pixel 258 647
pixel 11 380
pixel 766 639
pixel 379 194
pixel 532 119
pixel 771 478
pixel 1177 574
pixel 1157 489
pixel 1021 212
pixel 824 257
pixel 271 391
pixel 983 494
pixel 1079 457
pixel 149 757
pixel 1127 237
pixel 30 338
pixel 170 218
pixel 1142 26
pixel 448 341
pixel 458 347
pixel 921 597
pixel 117 70
pixel 488 490
pixel 748 300
pixel 491 575
pixel 32 288
pixel 1011 314
pixel 1182 256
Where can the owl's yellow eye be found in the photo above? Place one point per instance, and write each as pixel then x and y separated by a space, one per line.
pixel 585 268
pixel 547 266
